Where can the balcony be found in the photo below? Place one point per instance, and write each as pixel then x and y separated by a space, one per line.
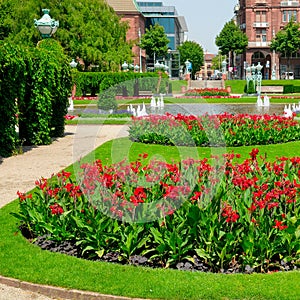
pixel 289 3
pixel 243 26
pixel 261 2
pixel 260 24
pixel 259 44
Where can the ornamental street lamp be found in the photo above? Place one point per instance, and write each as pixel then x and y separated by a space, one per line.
pixel 73 63
pixel 259 78
pixel 46 26
pixel 157 65
pixel 125 66
pixel 187 66
pixel 224 65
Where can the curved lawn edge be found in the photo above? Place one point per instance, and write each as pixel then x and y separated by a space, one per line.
pixel 24 261
pixel 29 263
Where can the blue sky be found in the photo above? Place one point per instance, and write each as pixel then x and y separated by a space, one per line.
pixel 205 19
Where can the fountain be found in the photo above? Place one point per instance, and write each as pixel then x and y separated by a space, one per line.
pixel 71 104
pixel 265 102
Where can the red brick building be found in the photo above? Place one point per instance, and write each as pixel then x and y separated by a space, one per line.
pixel 261 20
pixel 129 12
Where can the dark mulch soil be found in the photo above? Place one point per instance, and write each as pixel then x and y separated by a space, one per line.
pixel 70 248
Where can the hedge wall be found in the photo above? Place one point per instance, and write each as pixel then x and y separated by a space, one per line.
pixel 91 83
pixel 12 83
pixel 34 86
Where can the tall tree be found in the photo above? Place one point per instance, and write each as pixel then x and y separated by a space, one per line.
pixel 231 40
pixel 155 42
pixel 88 30
pixel 217 61
pixel 192 52
pixel 287 40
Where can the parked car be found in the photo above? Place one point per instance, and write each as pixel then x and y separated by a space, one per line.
pixel 216 76
pixel 287 75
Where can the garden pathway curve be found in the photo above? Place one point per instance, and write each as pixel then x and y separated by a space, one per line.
pixel 20 172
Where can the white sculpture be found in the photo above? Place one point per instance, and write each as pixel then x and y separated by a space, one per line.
pixel 71 106
pixel 266 101
pixel 263 102
pixel 259 102
pixel 287 111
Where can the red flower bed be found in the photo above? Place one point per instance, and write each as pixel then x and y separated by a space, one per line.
pixel 219 216
pixel 214 130
pixel 207 92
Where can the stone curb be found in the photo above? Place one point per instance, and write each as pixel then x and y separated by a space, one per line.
pixel 57 292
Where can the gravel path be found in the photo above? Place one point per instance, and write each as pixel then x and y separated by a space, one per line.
pixel 20 172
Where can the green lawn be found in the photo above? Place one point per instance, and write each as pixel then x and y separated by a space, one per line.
pixel 237 86
pixel 22 260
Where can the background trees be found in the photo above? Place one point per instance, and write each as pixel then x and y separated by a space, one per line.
pixel 89 30
pixel 155 42
pixel 192 52
pixel 231 40
pixel 287 41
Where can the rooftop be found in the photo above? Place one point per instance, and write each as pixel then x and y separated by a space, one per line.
pixel 123 5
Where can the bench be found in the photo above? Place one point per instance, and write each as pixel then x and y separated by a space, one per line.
pixel 145 93
pixel 271 89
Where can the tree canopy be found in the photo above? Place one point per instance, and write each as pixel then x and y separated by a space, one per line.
pixel 88 30
pixel 287 40
pixel 155 41
pixel 231 39
pixel 192 52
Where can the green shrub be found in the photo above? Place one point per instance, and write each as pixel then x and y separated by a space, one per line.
pixel 107 100
pixel 250 88
pixel 288 89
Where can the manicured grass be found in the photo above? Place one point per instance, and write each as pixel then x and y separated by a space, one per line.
pixel 22 260
pixel 237 86
pixel 177 84
pixel 85 102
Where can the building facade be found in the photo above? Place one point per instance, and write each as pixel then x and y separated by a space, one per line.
pixel 174 25
pixel 141 15
pixel 130 12
pixel 261 20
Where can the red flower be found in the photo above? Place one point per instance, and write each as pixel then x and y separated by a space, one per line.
pixel 278 225
pixel 56 209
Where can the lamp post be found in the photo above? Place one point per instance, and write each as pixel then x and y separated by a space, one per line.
pixel 140 49
pixel 253 75
pixel 224 66
pixel 46 26
pixel 73 65
pixel 248 76
pixel 187 67
pixel 259 78
pixel 157 65
pixel 125 66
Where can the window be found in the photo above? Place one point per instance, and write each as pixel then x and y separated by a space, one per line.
pixel 261 16
pixel 287 15
pixel 261 35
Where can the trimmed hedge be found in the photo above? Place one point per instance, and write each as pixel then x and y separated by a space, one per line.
pixel 12 83
pixel 94 82
pixel 45 103
pixel 34 86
